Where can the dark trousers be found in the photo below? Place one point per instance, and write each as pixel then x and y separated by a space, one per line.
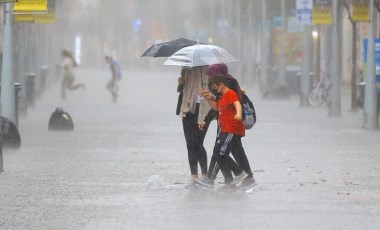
pixel 194 142
pixel 226 143
pixel 213 168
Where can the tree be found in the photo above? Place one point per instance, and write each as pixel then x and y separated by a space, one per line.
pixel 354 104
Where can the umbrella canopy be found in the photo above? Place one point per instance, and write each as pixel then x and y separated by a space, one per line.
pixel 199 55
pixel 166 49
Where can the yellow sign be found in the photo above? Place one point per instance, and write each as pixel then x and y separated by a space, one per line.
pixel 30 6
pixel 24 17
pixel 44 18
pixel 360 10
pixel 48 18
pixel 322 12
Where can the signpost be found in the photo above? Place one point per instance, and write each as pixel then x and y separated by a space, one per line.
pixel 7 89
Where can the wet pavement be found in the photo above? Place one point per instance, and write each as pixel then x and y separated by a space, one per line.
pixel 125 165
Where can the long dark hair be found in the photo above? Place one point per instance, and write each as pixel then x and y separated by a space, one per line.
pixel 70 55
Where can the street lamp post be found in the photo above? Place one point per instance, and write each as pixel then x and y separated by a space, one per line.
pixel 7 89
pixel 334 107
pixel 264 63
pixel 282 70
pixel 370 106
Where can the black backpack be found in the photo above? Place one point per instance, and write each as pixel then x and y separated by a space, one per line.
pixel 60 120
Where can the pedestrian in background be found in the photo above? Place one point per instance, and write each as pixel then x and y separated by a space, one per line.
pixel 113 84
pixel 68 64
pixel 192 109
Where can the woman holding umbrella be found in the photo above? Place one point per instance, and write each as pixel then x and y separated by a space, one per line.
pixel 192 110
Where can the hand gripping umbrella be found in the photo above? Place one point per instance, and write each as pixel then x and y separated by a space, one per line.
pixel 166 49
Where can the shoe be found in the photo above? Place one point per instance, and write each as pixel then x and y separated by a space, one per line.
pixel 248 182
pixel 114 98
pixel 239 178
pixel 205 181
pixel 227 187
pixel 192 184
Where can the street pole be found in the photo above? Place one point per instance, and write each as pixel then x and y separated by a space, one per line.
pixel 334 108
pixel 7 88
pixel 264 60
pixel 282 70
pixel 370 107
pixel 252 39
pixel 21 53
pixel 239 40
pixel 306 66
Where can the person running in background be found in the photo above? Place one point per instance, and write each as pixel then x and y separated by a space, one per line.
pixel 192 109
pixel 231 131
pixel 113 84
pixel 68 64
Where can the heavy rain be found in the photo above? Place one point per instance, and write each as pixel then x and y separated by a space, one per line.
pixel 103 105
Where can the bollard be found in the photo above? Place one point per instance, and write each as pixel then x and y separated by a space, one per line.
pixel 17 90
pixel 43 75
pixel 17 98
pixel 298 80
pixel 30 89
pixel 10 136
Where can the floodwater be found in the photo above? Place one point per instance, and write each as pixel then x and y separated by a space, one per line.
pixel 125 165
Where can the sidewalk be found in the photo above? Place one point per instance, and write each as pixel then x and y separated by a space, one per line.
pixel 125 165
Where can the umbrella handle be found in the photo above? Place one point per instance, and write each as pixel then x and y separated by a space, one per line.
pixel 200 68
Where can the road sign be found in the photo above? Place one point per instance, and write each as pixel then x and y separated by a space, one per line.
pixel 304 11
pixel 360 10
pixel 30 6
pixel 377 60
pixel 322 12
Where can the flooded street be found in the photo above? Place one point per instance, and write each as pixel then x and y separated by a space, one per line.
pixel 125 165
